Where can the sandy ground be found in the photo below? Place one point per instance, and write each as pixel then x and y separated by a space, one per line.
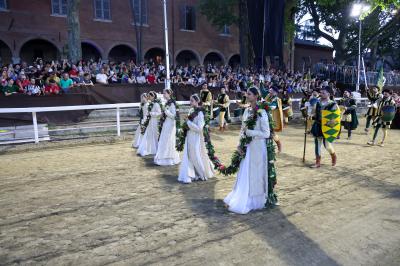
pixel 98 203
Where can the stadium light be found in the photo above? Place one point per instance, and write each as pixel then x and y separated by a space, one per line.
pixel 357 10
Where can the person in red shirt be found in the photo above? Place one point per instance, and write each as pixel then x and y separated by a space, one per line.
pixel 151 79
pixel 22 83
pixel 51 88
pixel 74 73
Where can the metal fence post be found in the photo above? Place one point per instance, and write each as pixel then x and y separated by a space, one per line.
pixel 35 127
pixel 118 124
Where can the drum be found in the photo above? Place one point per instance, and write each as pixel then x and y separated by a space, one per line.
pixel 388 112
pixel 313 101
pixel 342 110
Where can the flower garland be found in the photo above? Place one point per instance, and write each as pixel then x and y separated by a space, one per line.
pixel 145 124
pixel 141 112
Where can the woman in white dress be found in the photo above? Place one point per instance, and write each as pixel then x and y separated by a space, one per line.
pixel 166 152
pixel 143 115
pixel 195 163
pixel 148 144
pixel 251 187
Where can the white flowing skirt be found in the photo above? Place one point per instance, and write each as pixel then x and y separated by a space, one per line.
pixel 195 163
pixel 137 138
pixel 239 200
pixel 166 151
pixel 149 142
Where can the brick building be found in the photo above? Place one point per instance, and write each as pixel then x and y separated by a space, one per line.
pixel 38 28
pixel 308 53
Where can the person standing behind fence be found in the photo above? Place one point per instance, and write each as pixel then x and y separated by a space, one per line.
pixel 206 101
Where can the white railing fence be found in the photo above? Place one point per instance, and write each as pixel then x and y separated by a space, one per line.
pixel 117 107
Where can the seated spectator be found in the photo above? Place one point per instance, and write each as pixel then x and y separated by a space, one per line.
pixel 51 88
pixel 141 79
pixel 86 80
pixel 102 78
pixel 10 88
pixel 73 73
pixel 3 84
pixel 66 83
pixel 4 75
pixel 32 88
pixel 113 78
pixel 151 79
pixel 53 76
pixel 22 83
pixel 80 78
pixel 132 80
pixel 125 77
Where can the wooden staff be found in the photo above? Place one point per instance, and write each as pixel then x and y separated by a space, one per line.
pixel 305 141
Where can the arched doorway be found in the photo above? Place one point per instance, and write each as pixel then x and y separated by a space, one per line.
pixel 5 54
pixel 155 55
pixel 187 57
pixel 90 52
pixel 122 53
pixel 234 61
pixel 39 48
pixel 213 58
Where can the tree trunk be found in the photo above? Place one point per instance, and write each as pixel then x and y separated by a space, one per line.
pixel 374 52
pixel 244 34
pixel 289 31
pixel 340 48
pixel 340 55
pixel 74 31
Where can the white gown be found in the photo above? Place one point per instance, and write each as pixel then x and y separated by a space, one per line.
pixel 148 144
pixel 166 152
pixel 138 133
pixel 195 162
pixel 251 187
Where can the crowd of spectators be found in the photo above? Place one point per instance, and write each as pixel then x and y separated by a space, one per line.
pixel 57 77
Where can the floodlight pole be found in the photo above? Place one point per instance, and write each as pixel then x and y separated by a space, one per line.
pixel 167 78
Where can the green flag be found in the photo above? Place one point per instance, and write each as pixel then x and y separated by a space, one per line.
pixel 381 80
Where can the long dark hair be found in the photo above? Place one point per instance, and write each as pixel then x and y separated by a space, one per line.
pixel 154 94
pixel 254 90
pixel 169 91
pixel 196 98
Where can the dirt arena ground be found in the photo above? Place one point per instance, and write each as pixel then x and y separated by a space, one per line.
pixel 98 203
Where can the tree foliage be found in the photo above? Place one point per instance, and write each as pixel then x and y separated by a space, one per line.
pixel 333 22
pixel 220 12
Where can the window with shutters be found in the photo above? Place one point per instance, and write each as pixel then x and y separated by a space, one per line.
pixel 102 9
pixel 140 12
pixel 188 18
pixel 3 4
pixel 59 7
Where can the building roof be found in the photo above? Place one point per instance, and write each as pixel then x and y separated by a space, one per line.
pixel 311 44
